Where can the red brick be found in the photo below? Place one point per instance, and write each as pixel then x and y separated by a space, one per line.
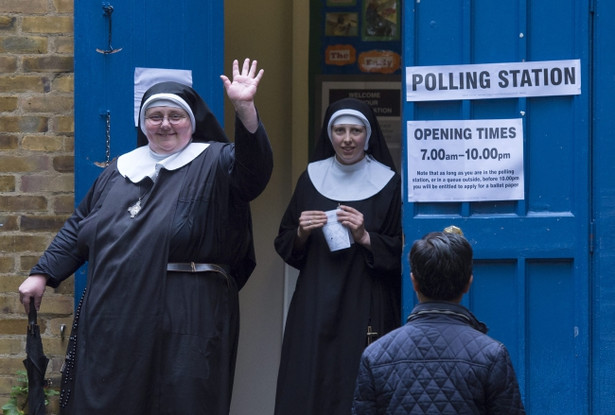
pixel 8 104
pixel 25 124
pixel 16 325
pixel 21 83
pixel 54 103
pixel 63 6
pixel 48 64
pixel 8 64
pixel 64 164
pixel 8 142
pixel 27 262
pixel 10 346
pixel 19 164
pixel 23 243
pixel 55 183
pixel 7 23
pixel 64 83
pixel 44 143
pixel 64 204
pixel 42 223
pixel 23 44
pixel 69 144
pixel 49 24
pixel 7 183
pixel 12 364
pixel 8 223
pixel 63 45
pixel 9 284
pixel 21 6
pixel 23 203
pixel 7 264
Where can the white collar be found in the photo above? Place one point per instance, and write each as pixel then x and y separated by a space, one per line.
pixel 343 182
pixel 142 162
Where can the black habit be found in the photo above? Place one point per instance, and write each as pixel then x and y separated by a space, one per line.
pixel 338 294
pixel 144 340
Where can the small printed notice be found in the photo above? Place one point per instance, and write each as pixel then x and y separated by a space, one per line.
pixel 337 236
pixel 465 160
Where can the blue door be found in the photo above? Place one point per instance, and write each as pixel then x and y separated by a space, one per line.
pixel 114 38
pixel 603 210
pixel 532 283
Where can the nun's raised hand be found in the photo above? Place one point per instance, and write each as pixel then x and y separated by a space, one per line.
pixel 241 91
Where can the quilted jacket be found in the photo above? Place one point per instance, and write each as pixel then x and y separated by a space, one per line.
pixel 440 362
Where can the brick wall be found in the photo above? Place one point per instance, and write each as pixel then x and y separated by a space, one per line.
pixel 36 169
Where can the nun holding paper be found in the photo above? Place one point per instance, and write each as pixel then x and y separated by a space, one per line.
pixel 342 231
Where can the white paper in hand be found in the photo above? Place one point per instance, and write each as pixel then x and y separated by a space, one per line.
pixel 337 236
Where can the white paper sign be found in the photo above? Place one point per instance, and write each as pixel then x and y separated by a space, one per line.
pixel 495 80
pixel 465 160
pixel 337 236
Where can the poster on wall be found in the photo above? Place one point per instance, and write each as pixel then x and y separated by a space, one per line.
pixel 361 37
pixel 381 20
pixel 465 160
pixel 342 24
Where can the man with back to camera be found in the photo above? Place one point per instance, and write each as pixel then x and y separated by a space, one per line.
pixel 441 361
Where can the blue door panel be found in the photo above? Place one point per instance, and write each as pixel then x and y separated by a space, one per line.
pixel 553 156
pixel 496 287
pixel 438 31
pixel 551 338
pixel 556 27
pixel 497 108
pixel 531 284
pixel 603 197
pixel 495 20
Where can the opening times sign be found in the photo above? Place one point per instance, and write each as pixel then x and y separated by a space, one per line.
pixel 465 160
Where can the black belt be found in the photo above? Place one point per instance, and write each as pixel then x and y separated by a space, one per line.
pixel 195 267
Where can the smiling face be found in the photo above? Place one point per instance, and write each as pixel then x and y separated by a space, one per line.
pixel 167 129
pixel 348 142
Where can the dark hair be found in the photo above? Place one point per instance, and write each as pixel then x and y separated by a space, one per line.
pixel 441 263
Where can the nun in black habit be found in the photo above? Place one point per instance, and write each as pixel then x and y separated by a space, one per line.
pixel 342 231
pixel 167 235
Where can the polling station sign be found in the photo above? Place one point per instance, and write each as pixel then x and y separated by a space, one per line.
pixel 495 80
pixel 465 160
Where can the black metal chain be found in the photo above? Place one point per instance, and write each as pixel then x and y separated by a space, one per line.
pixel 108 140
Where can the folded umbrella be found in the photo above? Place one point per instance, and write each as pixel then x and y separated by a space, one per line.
pixel 36 365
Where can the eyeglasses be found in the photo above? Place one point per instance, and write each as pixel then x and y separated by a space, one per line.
pixel 158 119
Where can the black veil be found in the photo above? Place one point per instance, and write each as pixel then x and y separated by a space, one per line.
pixel 377 148
pixel 207 127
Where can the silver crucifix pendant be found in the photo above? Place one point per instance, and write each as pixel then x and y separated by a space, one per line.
pixel 135 209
